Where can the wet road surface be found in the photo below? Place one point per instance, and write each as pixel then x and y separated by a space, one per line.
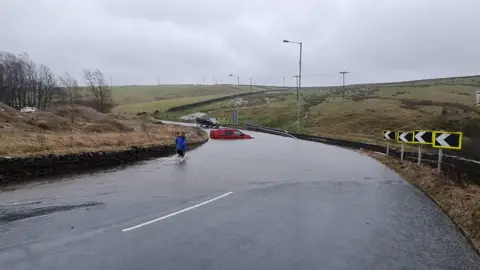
pixel 267 203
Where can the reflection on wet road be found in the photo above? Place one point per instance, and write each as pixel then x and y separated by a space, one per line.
pixel 291 204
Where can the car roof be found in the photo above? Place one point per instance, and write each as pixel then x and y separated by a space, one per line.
pixel 223 129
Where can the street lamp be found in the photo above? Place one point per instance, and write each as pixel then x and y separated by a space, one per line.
pixel 238 79
pixel 299 77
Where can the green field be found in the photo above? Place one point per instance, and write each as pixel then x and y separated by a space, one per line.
pixel 143 94
pixel 361 112
pixel 160 105
pixel 135 99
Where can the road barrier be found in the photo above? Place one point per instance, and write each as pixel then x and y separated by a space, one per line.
pixel 457 168
pixel 273 131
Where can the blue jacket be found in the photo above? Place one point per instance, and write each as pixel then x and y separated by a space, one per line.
pixel 181 143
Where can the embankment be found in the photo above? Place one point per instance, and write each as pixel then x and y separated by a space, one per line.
pixel 16 169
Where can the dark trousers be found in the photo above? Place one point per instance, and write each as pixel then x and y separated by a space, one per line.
pixel 180 152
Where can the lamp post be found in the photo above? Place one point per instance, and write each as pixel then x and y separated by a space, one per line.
pixel 299 78
pixel 238 79
pixel 343 81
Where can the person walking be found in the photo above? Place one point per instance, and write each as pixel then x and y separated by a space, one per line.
pixel 181 144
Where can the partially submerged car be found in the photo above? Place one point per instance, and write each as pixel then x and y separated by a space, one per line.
pixel 228 134
pixel 207 122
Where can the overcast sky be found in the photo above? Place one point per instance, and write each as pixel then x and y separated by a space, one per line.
pixel 180 41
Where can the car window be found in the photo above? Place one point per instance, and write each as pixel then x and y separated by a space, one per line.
pixel 238 133
pixel 228 133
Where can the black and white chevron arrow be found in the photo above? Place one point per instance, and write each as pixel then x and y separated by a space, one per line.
pixel 447 140
pixel 389 135
pixel 423 137
pixel 405 136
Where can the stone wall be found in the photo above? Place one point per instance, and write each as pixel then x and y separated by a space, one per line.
pixel 14 169
pixel 213 100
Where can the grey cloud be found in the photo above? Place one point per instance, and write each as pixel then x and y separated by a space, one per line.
pixel 181 41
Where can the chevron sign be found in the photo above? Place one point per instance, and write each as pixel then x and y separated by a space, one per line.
pixel 405 136
pixel 388 135
pixel 423 137
pixel 447 140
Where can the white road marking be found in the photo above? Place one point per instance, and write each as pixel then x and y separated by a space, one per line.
pixel 175 213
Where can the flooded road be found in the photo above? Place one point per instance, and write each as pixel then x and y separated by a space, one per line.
pixel 268 203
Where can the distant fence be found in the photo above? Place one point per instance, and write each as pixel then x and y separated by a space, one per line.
pixel 458 168
pixel 213 100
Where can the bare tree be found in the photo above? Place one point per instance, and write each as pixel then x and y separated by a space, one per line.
pixel 99 88
pixel 47 84
pixel 22 83
pixel 72 90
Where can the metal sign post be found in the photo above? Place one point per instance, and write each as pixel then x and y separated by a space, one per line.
pixel 401 154
pixel 439 167
pixel 446 140
pixel 404 137
pixel 419 155
pixel 389 135
pixel 235 117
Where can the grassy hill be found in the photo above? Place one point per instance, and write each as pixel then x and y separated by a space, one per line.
pixel 81 129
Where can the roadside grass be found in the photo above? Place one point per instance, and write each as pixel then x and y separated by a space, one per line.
pixel 32 144
pixel 81 129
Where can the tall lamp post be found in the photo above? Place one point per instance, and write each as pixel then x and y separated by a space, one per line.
pixel 299 77
pixel 238 79
pixel 343 80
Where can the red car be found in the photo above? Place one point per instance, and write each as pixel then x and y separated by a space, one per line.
pixel 228 134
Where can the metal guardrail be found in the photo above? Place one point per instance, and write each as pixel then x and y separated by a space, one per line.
pixel 273 131
pixel 458 168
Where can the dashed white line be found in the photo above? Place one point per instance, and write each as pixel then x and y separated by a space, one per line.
pixel 175 213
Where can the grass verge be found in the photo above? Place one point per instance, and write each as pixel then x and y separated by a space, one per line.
pixel 461 203
pixel 34 144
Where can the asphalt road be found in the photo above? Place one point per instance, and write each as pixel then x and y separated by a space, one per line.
pixel 267 203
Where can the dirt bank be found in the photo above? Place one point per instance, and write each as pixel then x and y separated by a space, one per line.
pixel 66 130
